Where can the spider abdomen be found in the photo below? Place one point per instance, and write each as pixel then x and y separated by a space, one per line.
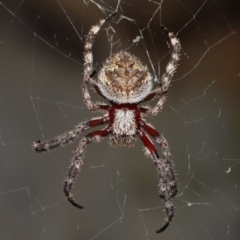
pixel 124 79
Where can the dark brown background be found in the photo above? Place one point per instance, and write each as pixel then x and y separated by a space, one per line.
pixel 40 97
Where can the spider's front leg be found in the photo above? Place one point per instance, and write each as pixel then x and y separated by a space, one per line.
pixel 166 153
pixel 68 137
pixel 77 162
pixel 165 188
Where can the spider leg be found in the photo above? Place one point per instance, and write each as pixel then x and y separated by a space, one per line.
pixel 158 92
pixel 154 111
pixel 88 62
pixel 94 84
pixel 68 137
pixel 166 153
pixel 164 180
pixel 172 64
pixel 167 76
pixel 77 162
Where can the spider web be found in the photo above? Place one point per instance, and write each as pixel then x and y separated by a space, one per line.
pixel 41 44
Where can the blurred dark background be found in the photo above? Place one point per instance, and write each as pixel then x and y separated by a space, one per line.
pixel 41 58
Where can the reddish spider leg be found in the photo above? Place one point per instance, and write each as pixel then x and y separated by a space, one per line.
pixel 166 153
pixel 162 171
pixel 68 137
pixel 77 162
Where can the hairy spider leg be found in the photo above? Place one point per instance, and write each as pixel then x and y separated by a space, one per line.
pixel 88 63
pixel 158 92
pixel 172 64
pixel 166 153
pixel 68 137
pixel 77 162
pixel 166 77
pixel 162 170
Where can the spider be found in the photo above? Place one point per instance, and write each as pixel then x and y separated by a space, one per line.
pixel 125 83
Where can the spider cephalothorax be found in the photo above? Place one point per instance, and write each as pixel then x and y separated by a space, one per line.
pixel 124 82
pixel 123 79
pixel 125 120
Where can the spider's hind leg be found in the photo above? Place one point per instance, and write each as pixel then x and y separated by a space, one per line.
pixel 88 63
pixel 173 61
pixel 166 78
